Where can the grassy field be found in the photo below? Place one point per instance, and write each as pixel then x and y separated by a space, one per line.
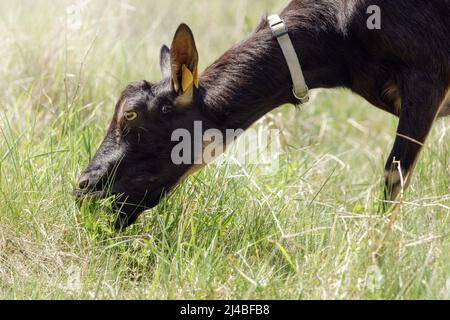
pixel 306 231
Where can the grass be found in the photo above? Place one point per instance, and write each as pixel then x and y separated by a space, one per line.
pixel 308 230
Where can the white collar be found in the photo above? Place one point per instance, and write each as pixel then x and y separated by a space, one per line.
pixel 280 31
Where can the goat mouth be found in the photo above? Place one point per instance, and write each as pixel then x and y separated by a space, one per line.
pixel 82 195
pixel 128 211
pixel 125 219
pixel 126 208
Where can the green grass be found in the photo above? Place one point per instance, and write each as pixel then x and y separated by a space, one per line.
pixel 307 231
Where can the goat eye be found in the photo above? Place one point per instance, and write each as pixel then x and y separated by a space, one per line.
pixel 166 109
pixel 130 115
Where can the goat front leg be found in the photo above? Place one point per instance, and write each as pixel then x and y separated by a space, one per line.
pixel 445 110
pixel 423 95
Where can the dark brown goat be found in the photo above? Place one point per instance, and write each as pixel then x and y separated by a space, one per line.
pixel 402 68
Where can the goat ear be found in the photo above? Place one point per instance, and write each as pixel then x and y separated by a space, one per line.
pixel 164 61
pixel 184 61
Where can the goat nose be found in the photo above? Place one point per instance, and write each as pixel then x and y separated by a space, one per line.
pixel 84 182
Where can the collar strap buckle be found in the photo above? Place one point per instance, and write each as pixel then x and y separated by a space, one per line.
pixel 281 33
